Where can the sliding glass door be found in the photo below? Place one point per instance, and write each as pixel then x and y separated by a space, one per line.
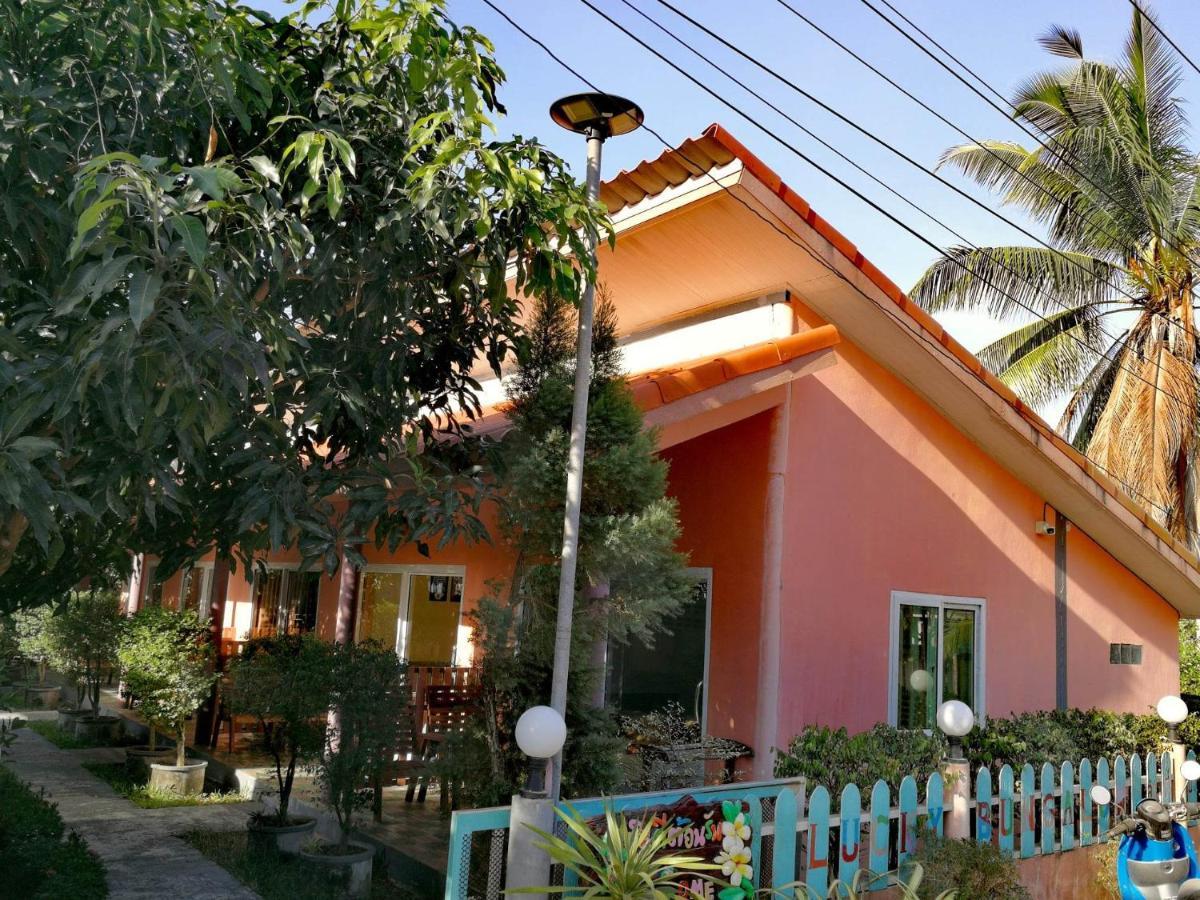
pixel 417 610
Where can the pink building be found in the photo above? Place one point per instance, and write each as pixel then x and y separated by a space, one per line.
pixel 867 510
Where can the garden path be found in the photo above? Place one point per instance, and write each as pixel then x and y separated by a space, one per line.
pixel 143 857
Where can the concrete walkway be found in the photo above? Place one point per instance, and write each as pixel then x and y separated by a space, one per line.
pixel 144 860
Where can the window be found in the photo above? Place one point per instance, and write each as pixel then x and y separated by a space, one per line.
pixel 417 610
pixel 1125 654
pixel 936 655
pixel 285 602
pixel 152 589
pixel 195 589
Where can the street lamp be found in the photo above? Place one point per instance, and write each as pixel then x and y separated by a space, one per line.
pixel 955 719
pixel 597 117
pixel 541 733
pixel 1172 710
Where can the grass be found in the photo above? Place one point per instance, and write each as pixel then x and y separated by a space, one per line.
pixel 64 741
pixel 38 862
pixel 275 876
pixel 137 792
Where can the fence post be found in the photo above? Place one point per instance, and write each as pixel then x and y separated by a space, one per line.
pixel 529 866
pixel 957 777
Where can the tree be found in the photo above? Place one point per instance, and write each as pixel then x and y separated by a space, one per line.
pixel 1117 187
pixel 166 660
pixel 285 683
pixel 32 628
pixel 1189 657
pixel 83 640
pixel 247 268
pixel 630 576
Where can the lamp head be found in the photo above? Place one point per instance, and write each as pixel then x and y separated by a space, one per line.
pixel 955 718
pixel 541 732
pixel 1172 709
pixel 1190 770
pixel 605 115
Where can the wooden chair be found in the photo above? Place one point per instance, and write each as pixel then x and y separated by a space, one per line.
pixel 446 710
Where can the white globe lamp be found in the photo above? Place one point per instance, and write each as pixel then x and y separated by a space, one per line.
pixel 1172 710
pixel 955 719
pixel 541 733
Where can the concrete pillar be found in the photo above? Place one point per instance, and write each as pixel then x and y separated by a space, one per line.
pixel 1178 782
pixel 343 631
pixel 136 581
pixel 956 775
pixel 528 865
pixel 206 717
pixel 766 728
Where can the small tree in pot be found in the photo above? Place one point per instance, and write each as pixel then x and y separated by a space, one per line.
pixel 167 660
pixel 32 628
pixel 285 683
pixel 83 641
pixel 367 686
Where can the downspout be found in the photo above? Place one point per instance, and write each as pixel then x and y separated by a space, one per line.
pixel 1060 610
pixel 766 725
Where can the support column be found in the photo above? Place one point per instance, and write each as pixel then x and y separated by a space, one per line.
pixel 136 583
pixel 343 632
pixel 206 717
pixel 766 727
pixel 956 776
pixel 528 865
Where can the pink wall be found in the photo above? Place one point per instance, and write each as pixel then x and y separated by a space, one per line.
pixel 719 480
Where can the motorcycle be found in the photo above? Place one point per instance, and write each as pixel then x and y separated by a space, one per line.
pixel 1156 859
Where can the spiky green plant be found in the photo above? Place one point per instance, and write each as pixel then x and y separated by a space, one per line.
pixel 1117 188
pixel 619 863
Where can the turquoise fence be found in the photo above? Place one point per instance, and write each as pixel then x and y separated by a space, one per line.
pixel 800 836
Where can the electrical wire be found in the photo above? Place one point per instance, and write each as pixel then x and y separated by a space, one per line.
pixel 1166 37
pixel 787 235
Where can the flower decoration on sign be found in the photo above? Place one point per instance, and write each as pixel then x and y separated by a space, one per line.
pixel 735 858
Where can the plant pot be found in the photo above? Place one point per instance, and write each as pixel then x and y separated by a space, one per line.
pixel 139 759
pixel 356 866
pixel 183 780
pixel 43 696
pixel 68 717
pixel 98 729
pixel 285 838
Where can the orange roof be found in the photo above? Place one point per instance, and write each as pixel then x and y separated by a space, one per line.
pixel 662 386
pixel 717 147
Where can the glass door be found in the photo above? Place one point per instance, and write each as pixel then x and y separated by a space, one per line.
pixel 416 611
pixel 379 607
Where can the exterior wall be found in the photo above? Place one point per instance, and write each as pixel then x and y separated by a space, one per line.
pixel 719 480
pixel 884 495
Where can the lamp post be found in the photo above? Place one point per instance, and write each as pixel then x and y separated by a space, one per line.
pixel 955 719
pixel 1173 711
pixel 540 734
pixel 597 117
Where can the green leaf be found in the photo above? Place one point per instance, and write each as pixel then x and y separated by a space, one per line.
pixel 144 288
pixel 265 167
pixel 191 232
pixel 335 193
pixel 215 181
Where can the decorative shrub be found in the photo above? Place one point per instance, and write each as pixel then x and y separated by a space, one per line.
pixel 83 640
pixel 834 758
pixel 33 639
pixel 166 659
pixel 285 683
pixel 971 871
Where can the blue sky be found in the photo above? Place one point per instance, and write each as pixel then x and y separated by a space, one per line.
pixel 997 39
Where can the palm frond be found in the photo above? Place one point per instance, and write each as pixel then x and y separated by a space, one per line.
pixel 1063 42
pixel 1012 281
pixel 1078 420
pixel 1046 358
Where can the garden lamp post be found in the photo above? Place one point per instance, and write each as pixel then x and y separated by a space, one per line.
pixel 1173 711
pixel 540 733
pixel 955 719
pixel 597 117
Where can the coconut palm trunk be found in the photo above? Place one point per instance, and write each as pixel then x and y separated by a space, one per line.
pixel 1117 189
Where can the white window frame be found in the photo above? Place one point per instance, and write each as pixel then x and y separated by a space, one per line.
pixel 205 570
pixel 404 619
pixel 941 602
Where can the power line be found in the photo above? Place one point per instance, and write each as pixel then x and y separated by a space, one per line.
pixel 855 192
pixel 1166 37
pixel 787 235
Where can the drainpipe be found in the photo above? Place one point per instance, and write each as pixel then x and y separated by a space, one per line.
pixel 1060 610
pixel 766 727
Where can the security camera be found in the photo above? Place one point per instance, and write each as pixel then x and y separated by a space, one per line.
pixel 1044 528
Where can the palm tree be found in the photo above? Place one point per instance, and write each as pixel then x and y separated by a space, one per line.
pixel 1118 191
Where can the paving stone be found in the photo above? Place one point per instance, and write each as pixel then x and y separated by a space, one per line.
pixel 143 857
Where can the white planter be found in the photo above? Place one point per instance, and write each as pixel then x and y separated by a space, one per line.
pixel 357 867
pixel 183 780
pixel 139 759
pixel 288 838
pixel 43 696
pixel 101 729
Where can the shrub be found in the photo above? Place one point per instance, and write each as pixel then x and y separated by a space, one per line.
pixel 83 640
pixel 33 638
pixel 284 682
pixel 972 871
pixel 834 758
pixel 166 660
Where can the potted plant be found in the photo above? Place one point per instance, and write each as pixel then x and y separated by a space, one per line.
pixel 362 728
pixel 33 642
pixel 83 642
pixel 284 682
pixel 167 660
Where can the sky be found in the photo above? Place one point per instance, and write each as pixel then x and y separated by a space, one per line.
pixel 998 40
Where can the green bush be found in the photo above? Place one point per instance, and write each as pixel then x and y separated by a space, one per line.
pixel 972 871
pixel 834 758
pixel 37 861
